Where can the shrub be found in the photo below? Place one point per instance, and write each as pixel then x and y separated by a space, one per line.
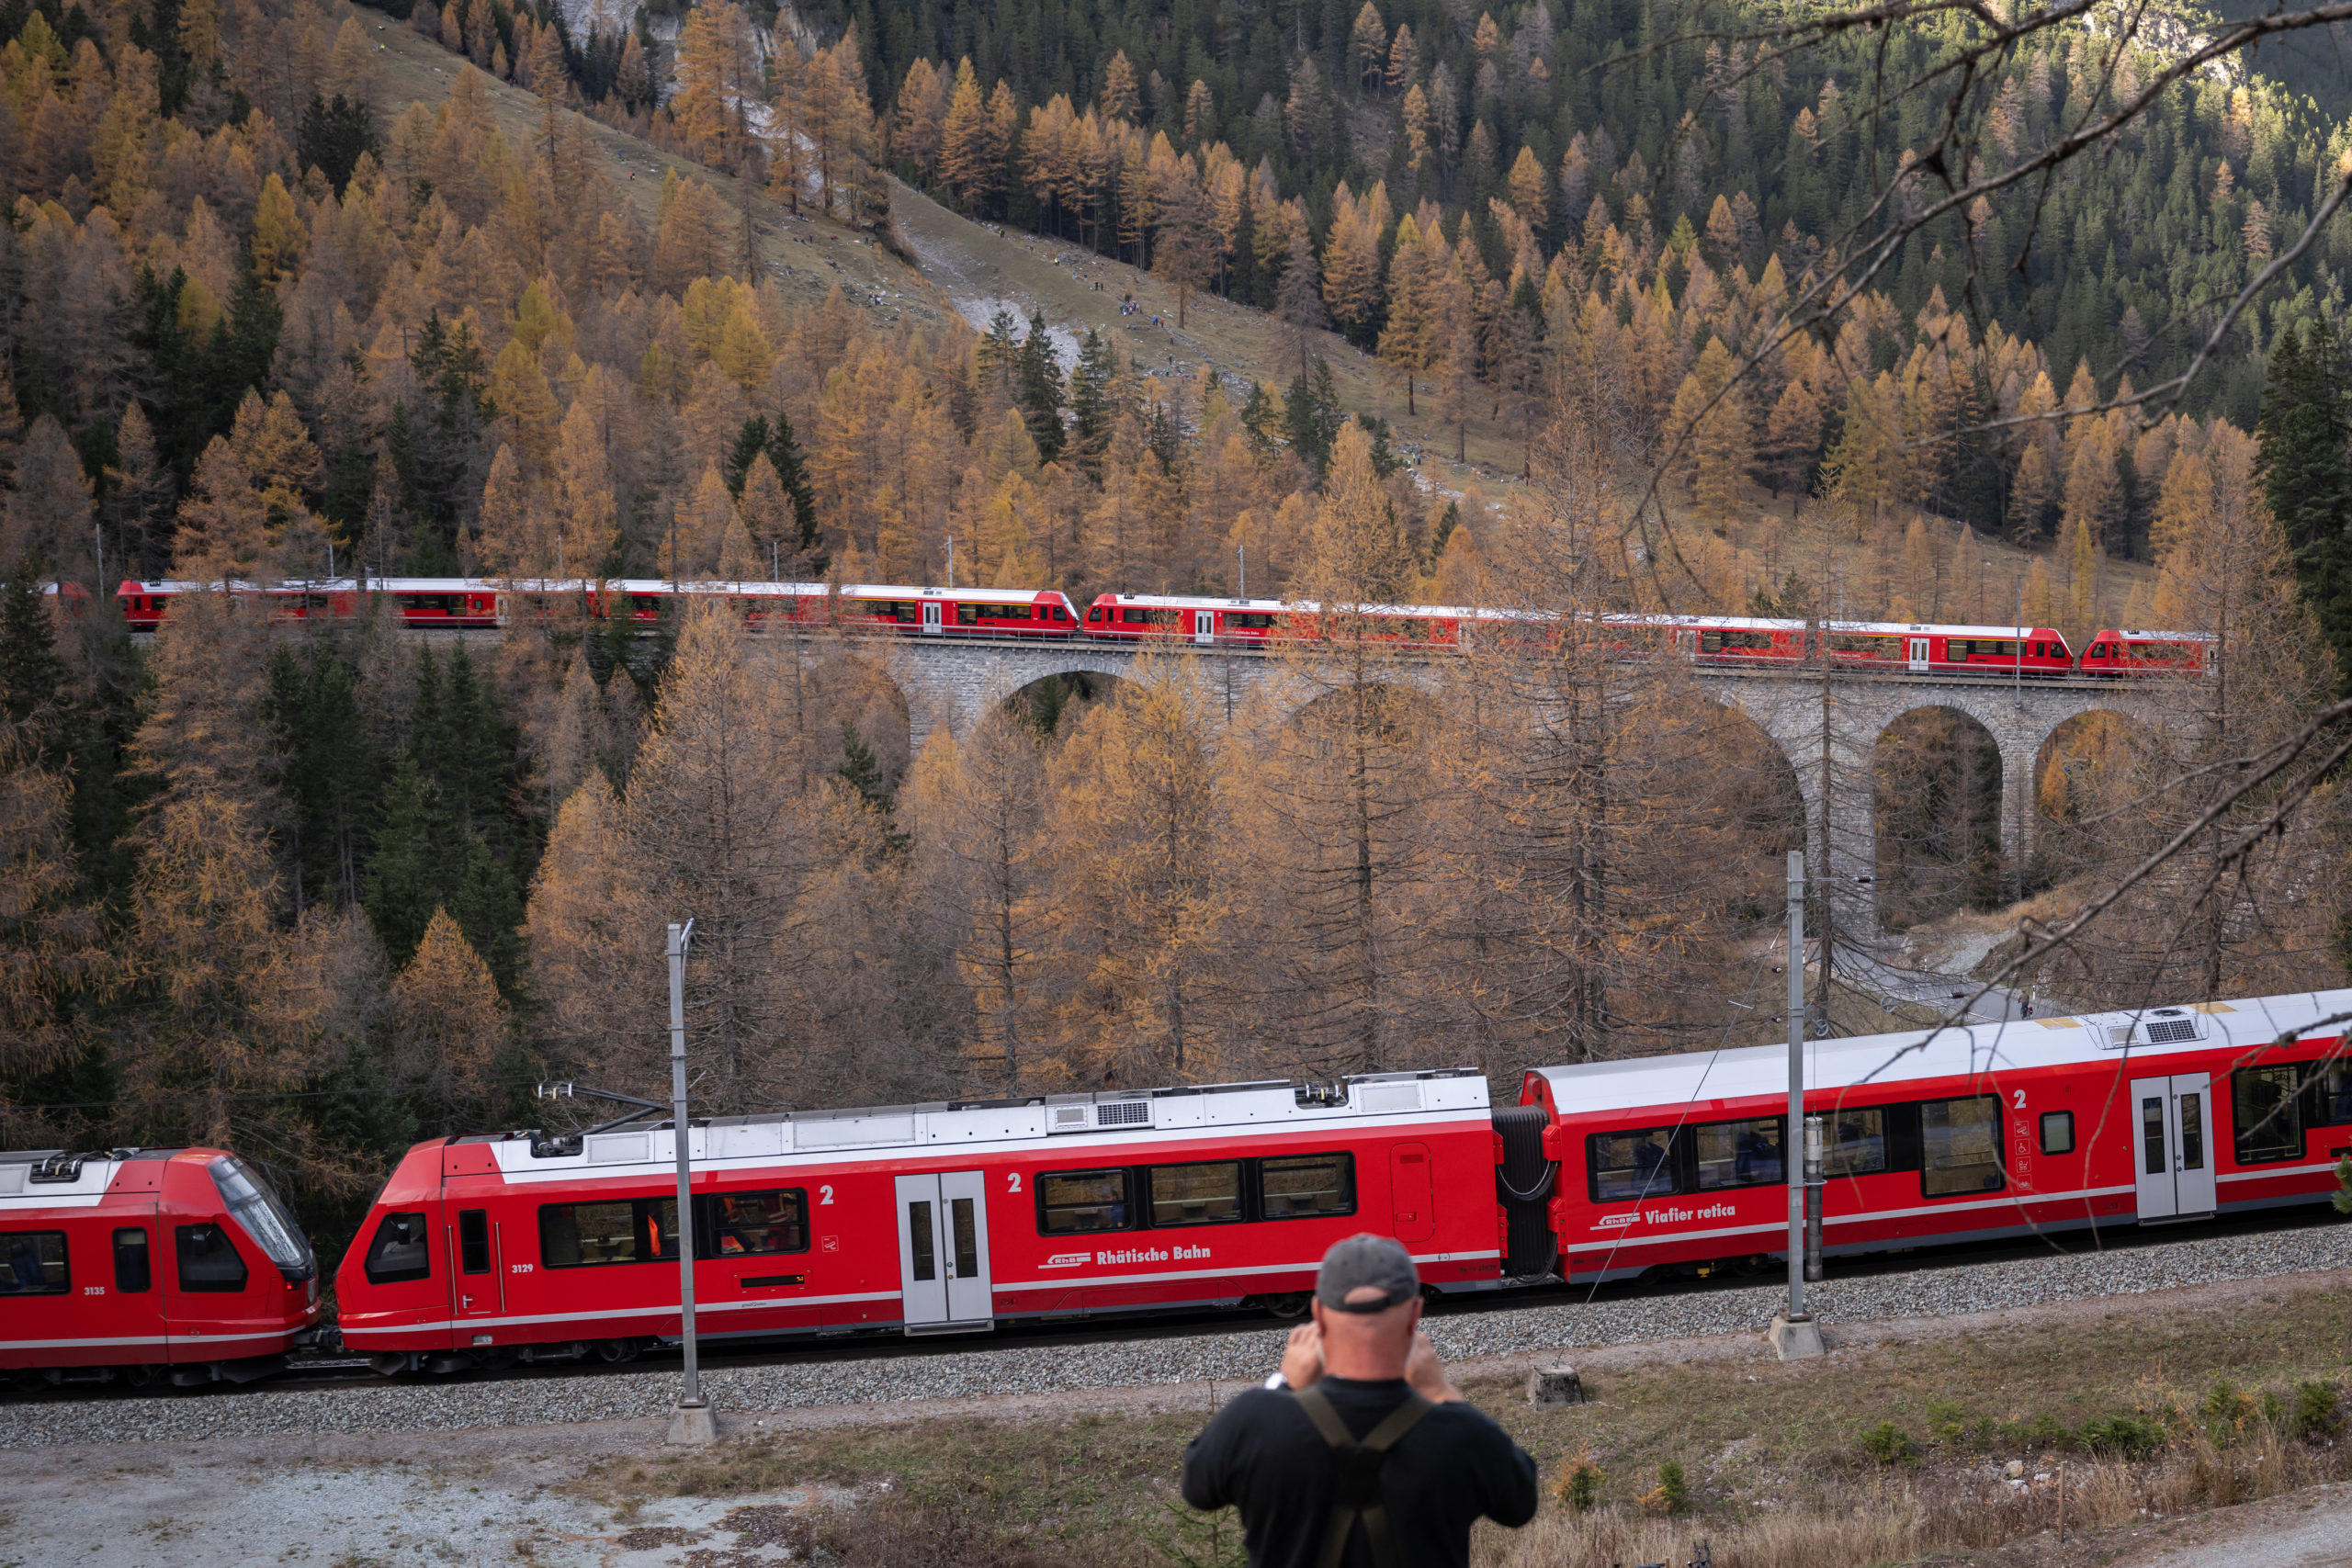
pixel 1579 1484
pixel 2125 1437
pixel 2226 1410
pixel 1674 1487
pixel 1947 1423
pixel 1889 1444
pixel 2318 1413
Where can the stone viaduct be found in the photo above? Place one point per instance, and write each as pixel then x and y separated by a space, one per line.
pixel 953 683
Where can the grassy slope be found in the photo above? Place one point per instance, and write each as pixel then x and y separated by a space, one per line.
pixel 1772 1452
pixel 817 253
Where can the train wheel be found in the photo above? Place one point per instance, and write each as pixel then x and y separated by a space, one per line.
pixel 616 1351
pixel 1288 1307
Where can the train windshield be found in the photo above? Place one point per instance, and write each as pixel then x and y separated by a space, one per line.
pixel 266 1219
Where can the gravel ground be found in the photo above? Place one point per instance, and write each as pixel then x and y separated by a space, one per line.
pixel 524 1401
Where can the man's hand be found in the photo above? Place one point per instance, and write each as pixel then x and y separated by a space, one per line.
pixel 1303 1356
pixel 1423 1370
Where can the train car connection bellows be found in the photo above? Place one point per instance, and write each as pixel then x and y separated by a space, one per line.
pixel 1523 1183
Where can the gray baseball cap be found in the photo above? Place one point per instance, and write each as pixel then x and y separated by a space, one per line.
pixel 1366 1259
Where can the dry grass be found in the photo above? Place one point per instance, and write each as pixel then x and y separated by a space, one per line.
pixel 1779 1474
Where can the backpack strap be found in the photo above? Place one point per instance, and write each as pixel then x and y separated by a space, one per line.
pixel 1360 1495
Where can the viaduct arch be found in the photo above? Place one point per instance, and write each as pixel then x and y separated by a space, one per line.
pixel 1829 735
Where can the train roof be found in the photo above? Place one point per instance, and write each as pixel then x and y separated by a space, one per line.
pixel 2127 632
pixel 1981 1050
pixel 1899 628
pixel 1267 1105
pixel 1307 606
pixel 35 1178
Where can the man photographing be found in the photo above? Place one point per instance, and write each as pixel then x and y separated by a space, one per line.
pixel 1360 1454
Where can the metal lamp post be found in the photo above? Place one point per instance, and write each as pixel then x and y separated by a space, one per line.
pixel 692 1422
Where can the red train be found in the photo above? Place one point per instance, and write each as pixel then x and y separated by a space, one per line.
pixel 2050 1125
pixel 490 1249
pixel 925 1218
pixel 1717 642
pixel 149 1265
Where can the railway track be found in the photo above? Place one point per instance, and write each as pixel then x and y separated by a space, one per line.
pixel 327 1373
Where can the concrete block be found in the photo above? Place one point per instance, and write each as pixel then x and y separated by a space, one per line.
pixel 1796 1340
pixel 693 1425
pixel 1548 1388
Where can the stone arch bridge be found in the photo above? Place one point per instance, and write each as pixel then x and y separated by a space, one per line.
pixel 1828 737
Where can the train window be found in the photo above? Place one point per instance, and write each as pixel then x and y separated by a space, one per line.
pixel 964 1234
pixel 2263 1109
pixel 1631 1166
pixel 1756 642
pixel 1740 1154
pixel 209 1261
pixel 907 612
pixel 2332 1095
pixel 662 1215
pixel 2057 1132
pixel 1855 1143
pixel 1003 611
pixel 1960 1146
pixel 1195 1194
pixel 1305 1187
pixel 965 613
pixel 1711 642
pixel 1071 1202
pixel 400 1250
pixel 1251 623
pixel 919 1246
pixel 32 1263
pixel 133 1269
pixel 573 1235
pixel 747 1223
pixel 266 1218
pixel 473 1240
pixel 1093 614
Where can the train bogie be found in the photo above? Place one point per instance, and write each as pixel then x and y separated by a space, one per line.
pixel 149 1265
pixel 919 1220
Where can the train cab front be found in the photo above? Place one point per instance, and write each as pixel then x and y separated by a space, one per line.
pixel 248 1282
pixel 391 1303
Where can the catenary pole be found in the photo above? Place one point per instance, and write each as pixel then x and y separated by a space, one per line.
pixel 692 1422
pixel 1791 1136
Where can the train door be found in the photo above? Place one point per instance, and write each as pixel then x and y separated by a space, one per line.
pixel 474 1283
pixel 1204 626
pixel 943 1252
pixel 2172 1132
pixel 138 1312
pixel 1918 651
pixel 1412 1200
pixel 930 617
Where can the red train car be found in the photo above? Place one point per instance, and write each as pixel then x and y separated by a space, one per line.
pixel 1674 1163
pixel 2116 652
pixel 921 1219
pixel 1136 617
pixel 150 1264
pixel 1894 647
pixel 427 602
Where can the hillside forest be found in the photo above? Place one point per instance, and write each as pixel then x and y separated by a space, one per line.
pixel 311 892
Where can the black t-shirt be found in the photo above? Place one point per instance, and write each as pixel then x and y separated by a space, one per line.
pixel 1264 1455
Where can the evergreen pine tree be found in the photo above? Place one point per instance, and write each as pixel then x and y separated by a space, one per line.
pixel 1037 390
pixel 2307 475
pixel 1090 403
